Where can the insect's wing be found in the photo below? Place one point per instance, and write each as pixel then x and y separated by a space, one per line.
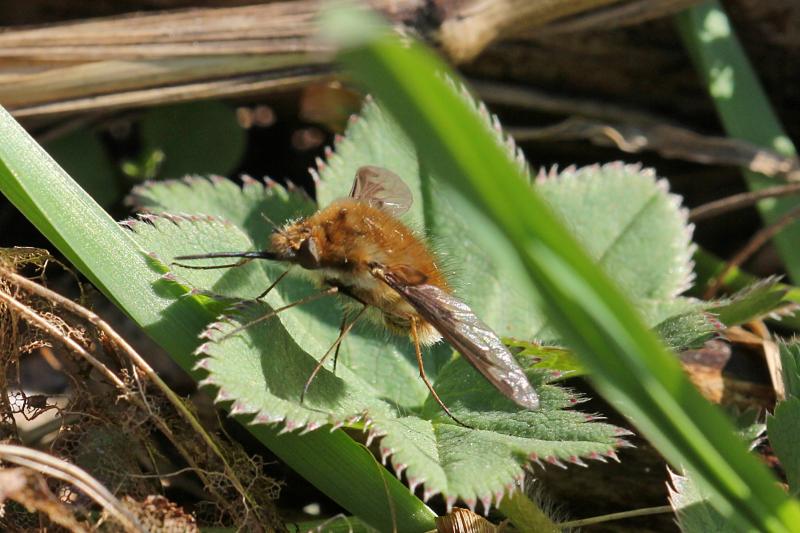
pixel 382 190
pixel 476 341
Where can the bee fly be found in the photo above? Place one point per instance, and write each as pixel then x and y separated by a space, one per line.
pixel 358 247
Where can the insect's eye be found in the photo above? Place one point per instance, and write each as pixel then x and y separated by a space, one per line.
pixel 308 254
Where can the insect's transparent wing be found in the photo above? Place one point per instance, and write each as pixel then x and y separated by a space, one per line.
pixel 381 189
pixel 471 337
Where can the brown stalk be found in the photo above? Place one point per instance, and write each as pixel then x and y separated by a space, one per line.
pixel 631 130
pixel 224 88
pixel 738 201
pixel 753 245
pixel 30 489
pixel 79 66
pixel 493 92
pixel 60 469
pixel 616 516
pixel 669 141
pixel 618 16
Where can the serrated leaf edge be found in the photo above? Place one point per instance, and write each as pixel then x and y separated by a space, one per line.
pixel 491 121
pixel 138 194
pixel 687 247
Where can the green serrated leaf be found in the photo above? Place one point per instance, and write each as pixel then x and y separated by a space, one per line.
pixel 750 303
pixel 627 221
pixel 245 207
pixel 269 385
pixel 695 513
pixel 482 461
pixel 262 370
pixel 703 320
pixel 688 330
pixel 376 379
pixel 783 429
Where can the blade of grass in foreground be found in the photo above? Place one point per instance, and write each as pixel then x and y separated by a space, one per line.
pixel 109 257
pixel 628 363
pixel 743 108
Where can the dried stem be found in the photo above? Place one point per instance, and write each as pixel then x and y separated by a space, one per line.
pixel 524 97
pixel 669 141
pixel 60 469
pixel 753 245
pixel 738 201
pixel 616 516
pixel 33 318
pixel 618 16
pixel 188 54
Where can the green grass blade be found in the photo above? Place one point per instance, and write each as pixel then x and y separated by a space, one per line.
pixel 629 365
pixel 743 108
pixel 109 257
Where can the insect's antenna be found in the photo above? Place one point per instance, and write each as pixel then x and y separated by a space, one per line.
pixel 307 299
pixel 246 258
pixel 338 342
pixel 424 377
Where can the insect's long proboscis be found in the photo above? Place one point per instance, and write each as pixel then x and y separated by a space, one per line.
pixel 263 254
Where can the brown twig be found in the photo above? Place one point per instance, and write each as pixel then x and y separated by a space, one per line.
pixel 753 245
pixel 669 141
pixel 30 489
pixel 618 16
pixel 179 55
pixel 59 469
pixel 616 516
pixel 33 318
pixel 283 79
pixel 526 98
pixel 738 201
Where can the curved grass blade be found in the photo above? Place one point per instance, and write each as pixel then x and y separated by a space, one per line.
pixel 628 363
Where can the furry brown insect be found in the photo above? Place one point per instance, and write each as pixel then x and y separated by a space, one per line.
pixel 358 247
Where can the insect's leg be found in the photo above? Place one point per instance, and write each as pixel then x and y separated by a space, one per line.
pixel 415 337
pixel 212 267
pixel 345 330
pixel 272 286
pixel 339 344
pixel 310 298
